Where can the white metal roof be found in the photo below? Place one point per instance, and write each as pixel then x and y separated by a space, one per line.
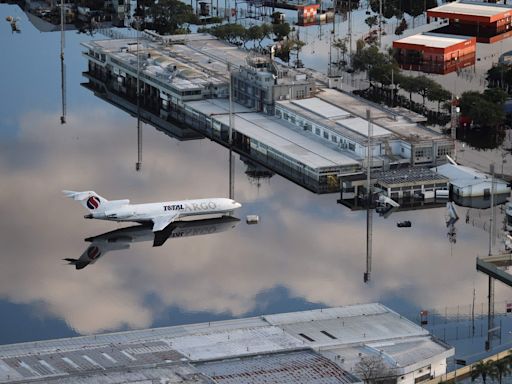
pixel 462 176
pixel 403 353
pixel 232 343
pixel 326 314
pixel 472 9
pixel 216 106
pixel 435 40
pixel 360 126
pixel 274 133
pixel 321 108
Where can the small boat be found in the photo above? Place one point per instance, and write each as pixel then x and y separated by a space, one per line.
pixel 403 224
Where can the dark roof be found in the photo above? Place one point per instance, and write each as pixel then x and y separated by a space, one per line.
pixel 409 175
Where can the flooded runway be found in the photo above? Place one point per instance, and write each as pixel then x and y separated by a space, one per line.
pixel 306 252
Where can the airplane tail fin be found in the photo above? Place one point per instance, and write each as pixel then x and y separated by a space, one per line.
pixel 90 200
pixel 79 264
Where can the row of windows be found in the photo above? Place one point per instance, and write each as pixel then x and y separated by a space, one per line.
pixel 319 131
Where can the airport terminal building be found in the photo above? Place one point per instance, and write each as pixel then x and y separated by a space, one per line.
pixel 283 118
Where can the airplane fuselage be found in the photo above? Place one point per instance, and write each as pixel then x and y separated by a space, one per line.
pixel 183 208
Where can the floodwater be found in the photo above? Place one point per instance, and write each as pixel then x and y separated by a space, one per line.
pixel 306 252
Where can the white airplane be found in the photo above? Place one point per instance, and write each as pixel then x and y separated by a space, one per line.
pixel 161 214
pixel 121 239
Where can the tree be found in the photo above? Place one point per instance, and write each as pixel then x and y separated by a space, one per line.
pixel 482 111
pixel 281 30
pixel 439 94
pixel 371 21
pixel 495 95
pixel 501 368
pixel 409 84
pixel 341 46
pixel 168 16
pixel 401 27
pixel 482 368
pixel 371 368
pixel 424 86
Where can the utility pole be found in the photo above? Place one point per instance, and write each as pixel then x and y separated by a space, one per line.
pixel 491 219
pixel 230 137
pixel 138 164
pixel 62 65
pixel 473 313
pixel 369 190
pixel 333 37
pixel 349 33
pixel 380 23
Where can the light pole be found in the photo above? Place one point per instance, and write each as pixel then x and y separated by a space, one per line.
pixel 138 164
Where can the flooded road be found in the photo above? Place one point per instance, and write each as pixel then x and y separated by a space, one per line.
pixel 306 252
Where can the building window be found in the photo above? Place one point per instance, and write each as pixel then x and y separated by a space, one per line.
pixel 317 131
pixel 334 139
pixel 326 135
pixel 351 146
pixel 308 127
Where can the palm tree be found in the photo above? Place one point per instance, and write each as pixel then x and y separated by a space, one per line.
pixel 482 368
pixel 501 369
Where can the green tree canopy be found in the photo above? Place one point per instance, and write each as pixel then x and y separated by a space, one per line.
pixel 168 16
pixel 482 111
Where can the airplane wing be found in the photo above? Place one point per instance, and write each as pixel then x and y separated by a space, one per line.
pixel 162 221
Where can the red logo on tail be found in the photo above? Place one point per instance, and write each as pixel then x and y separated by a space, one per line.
pixel 93 202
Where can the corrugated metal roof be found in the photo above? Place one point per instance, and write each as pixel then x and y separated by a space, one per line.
pixel 306 367
pixel 235 342
pixel 409 352
pixel 326 314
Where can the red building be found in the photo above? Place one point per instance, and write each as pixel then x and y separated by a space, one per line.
pixel 435 53
pixel 307 14
pixel 488 22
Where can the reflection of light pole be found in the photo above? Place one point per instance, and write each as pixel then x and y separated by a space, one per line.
pixel 230 137
pixel 138 164
pixel 62 65
pixel 455 110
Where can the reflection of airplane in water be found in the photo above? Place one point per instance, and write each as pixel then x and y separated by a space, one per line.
pixel 122 238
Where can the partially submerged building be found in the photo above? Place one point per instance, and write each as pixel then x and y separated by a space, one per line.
pixel 469 182
pixel 488 22
pixel 435 52
pixel 319 346
pixel 410 182
pixel 283 118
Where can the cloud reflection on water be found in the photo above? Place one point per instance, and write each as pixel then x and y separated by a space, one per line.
pixel 305 242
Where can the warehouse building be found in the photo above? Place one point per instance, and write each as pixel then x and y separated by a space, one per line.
pixel 322 346
pixel 435 52
pixel 488 22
